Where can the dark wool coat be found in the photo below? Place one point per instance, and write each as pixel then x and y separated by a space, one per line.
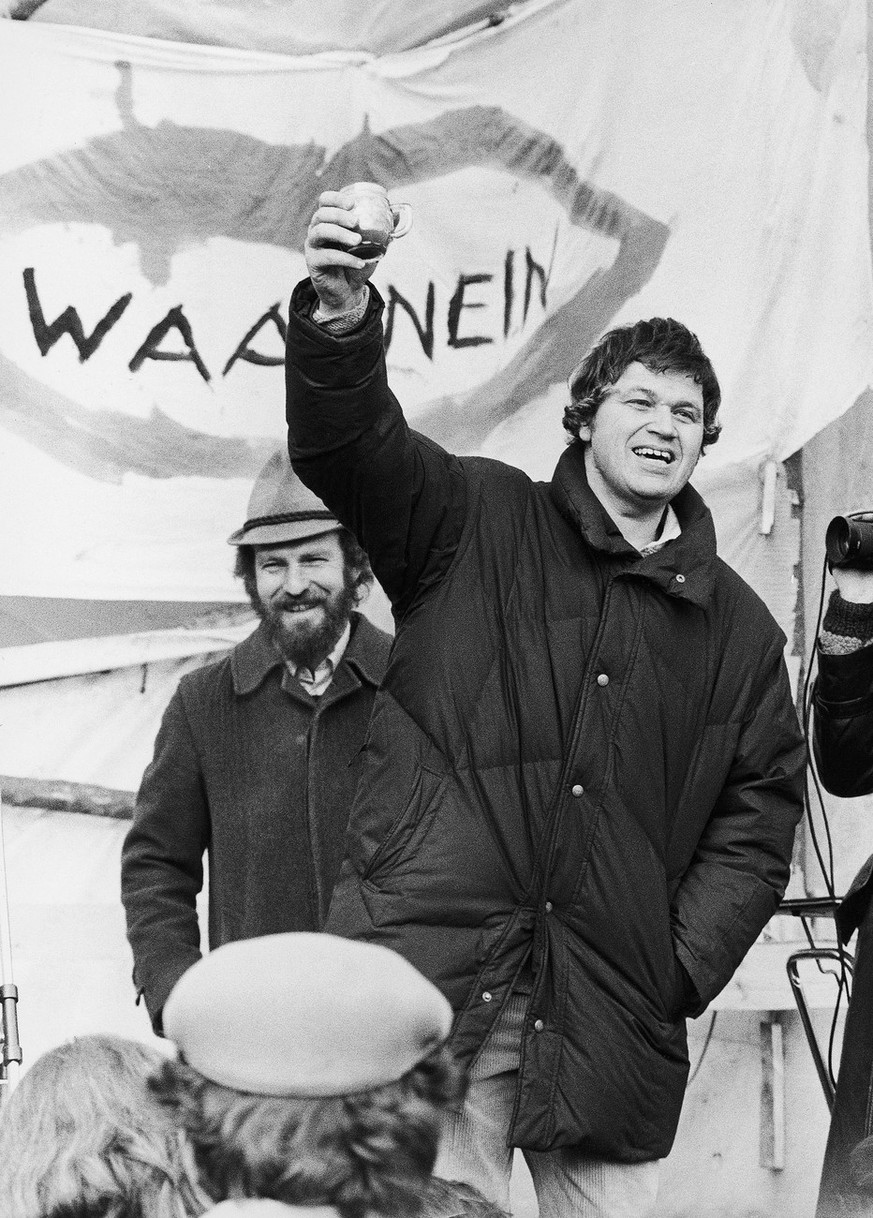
pixel 843 746
pixel 580 758
pixel 251 770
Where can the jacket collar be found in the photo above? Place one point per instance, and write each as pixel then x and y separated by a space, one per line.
pixel 684 568
pixel 367 652
pixel 253 658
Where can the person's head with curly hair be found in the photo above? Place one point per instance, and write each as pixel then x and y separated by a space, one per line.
pixel 660 344
pixel 312 1071
pixel 81 1136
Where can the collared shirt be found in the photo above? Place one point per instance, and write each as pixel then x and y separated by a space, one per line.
pixel 315 683
pixel 669 532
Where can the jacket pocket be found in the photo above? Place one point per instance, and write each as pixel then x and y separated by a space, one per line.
pixel 410 827
pixel 684 998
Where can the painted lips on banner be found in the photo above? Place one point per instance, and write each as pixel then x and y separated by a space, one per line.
pixel 565 173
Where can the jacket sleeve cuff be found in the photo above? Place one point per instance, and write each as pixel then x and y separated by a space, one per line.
pixel 343 323
pixel 334 382
pixel 156 994
pixel 303 308
pixel 846 619
pixel 846 681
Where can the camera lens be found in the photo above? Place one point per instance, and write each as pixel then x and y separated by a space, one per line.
pixel 837 541
pixel 849 542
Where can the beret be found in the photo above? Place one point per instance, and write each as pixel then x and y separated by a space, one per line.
pixel 304 1014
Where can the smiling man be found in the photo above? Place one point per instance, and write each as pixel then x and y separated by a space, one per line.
pixel 252 763
pixel 642 446
pixel 584 769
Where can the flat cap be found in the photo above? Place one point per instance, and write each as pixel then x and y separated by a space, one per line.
pixel 304 1014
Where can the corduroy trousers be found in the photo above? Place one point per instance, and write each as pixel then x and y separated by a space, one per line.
pixel 567 1183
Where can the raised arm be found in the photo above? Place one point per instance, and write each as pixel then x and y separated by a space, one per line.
pixel 403 496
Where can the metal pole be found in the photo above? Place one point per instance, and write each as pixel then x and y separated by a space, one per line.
pixel 10 1065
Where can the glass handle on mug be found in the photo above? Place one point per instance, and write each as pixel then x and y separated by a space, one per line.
pixel 402 213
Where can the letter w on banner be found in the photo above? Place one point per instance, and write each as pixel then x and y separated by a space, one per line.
pixel 577 166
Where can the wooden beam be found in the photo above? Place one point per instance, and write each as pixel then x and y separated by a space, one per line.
pixel 772 1123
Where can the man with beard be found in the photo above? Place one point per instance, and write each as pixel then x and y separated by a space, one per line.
pixel 253 759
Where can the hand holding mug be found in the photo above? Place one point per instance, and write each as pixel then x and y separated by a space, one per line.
pixel 347 236
pixel 376 219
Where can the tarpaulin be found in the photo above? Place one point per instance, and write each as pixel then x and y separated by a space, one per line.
pixel 575 166
pixel 292 27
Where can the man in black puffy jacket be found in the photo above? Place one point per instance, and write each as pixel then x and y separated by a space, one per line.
pixel 843 746
pixel 583 773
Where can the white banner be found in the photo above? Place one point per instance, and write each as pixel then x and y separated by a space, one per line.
pixel 577 166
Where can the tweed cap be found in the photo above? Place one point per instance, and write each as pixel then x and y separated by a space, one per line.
pixel 282 509
pixel 304 1014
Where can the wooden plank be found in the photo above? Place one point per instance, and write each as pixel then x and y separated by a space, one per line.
pixel 772 1119
pixel 75 657
pixel 56 795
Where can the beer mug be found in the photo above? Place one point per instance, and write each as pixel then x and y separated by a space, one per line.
pixel 377 219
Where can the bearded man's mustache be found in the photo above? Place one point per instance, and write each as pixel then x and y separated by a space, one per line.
pixel 289 603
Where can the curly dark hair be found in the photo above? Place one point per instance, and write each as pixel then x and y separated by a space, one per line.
pixel 365 1153
pixel 661 345
pixel 359 574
